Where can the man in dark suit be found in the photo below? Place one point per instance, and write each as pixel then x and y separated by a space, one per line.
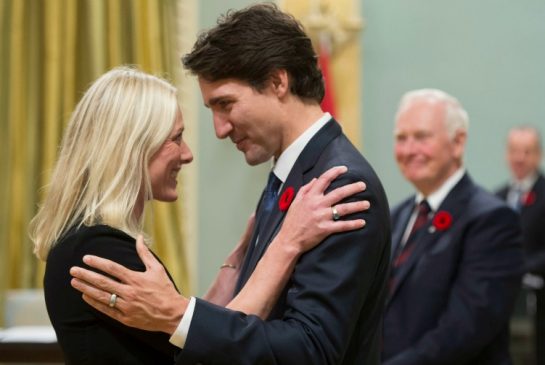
pixel 258 74
pixel 526 194
pixel 456 251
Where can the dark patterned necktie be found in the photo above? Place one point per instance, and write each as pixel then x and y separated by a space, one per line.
pixel 270 197
pixel 421 218
pixel 405 252
pixel 270 194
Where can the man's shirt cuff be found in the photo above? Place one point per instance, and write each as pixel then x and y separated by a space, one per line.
pixel 179 336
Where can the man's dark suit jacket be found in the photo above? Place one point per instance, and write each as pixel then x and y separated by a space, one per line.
pixel 453 298
pixel 331 309
pixel 532 214
pixel 86 336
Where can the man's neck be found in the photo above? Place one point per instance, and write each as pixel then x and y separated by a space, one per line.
pixel 298 117
pixel 439 194
pixel 288 157
pixel 525 183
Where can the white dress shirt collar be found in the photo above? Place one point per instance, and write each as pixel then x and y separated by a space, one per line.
pixel 526 184
pixel 287 159
pixel 436 198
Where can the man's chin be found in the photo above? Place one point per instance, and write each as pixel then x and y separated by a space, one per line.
pixel 255 160
pixel 412 177
pixel 418 181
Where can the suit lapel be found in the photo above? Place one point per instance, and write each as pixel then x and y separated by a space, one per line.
pixel 296 178
pixel 428 236
pixel 271 226
pixel 537 191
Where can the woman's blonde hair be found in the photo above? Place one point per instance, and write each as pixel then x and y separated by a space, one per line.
pixel 121 121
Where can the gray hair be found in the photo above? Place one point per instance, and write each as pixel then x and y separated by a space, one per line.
pixel 456 117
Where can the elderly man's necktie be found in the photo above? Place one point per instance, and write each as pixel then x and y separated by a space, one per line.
pixel 405 252
pixel 421 217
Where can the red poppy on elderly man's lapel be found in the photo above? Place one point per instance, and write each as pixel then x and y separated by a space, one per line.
pixel 286 198
pixel 442 220
pixel 529 198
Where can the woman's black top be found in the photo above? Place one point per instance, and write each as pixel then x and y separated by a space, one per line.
pixel 85 335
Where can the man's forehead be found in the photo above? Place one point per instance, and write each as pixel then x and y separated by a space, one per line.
pixel 213 90
pixel 416 124
pixel 526 133
pixel 523 137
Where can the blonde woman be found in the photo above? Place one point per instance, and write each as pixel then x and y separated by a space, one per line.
pixel 123 147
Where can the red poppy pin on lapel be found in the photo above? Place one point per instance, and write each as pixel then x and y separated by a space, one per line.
pixel 442 220
pixel 529 198
pixel 286 198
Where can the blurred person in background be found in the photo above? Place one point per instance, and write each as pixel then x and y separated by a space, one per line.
pixel 525 193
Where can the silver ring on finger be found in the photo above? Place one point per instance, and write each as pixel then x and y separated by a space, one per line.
pixel 113 300
pixel 335 214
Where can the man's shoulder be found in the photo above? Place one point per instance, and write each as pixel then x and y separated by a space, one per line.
pixel 502 191
pixel 482 199
pixel 485 211
pixel 342 151
pixel 540 183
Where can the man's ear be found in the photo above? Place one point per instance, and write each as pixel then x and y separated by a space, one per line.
pixel 459 141
pixel 279 81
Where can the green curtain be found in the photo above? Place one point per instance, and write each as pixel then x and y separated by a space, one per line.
pixel 51 51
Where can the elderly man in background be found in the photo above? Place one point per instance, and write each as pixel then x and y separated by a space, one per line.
pixel 456 249
pixel 526 194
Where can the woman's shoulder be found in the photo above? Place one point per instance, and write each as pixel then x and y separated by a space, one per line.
pixel 83 232
pixel 99 240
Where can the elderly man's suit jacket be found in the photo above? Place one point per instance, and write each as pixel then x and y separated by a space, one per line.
pixel 451 301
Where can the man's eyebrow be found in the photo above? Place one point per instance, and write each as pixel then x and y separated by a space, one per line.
pixel 215 100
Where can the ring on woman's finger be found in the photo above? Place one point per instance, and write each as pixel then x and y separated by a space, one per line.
pixel 335 214
pixel 113 300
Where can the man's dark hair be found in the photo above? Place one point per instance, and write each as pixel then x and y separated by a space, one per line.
pixel 252 43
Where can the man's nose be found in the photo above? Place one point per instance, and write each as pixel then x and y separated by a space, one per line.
pixel 222 126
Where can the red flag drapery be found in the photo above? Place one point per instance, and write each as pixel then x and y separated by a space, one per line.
pixel 324 58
